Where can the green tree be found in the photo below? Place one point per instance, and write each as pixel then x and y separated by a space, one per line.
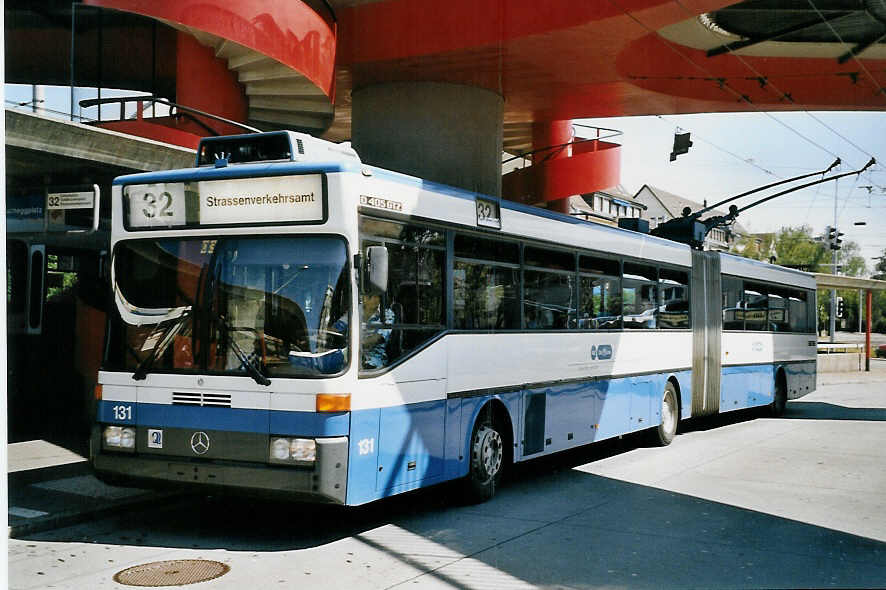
pixel 791 246
pixel 756 246
pixel 795 246
pixel 851 261
pixel 880 268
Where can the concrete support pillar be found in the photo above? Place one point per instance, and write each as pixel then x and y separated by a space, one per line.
pixel 551 134
pixel 441 132
pixel 38 99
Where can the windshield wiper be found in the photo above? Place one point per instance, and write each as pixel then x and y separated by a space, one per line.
pixel 142 370
pixel 253 371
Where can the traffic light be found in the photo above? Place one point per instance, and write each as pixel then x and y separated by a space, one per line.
pixel 833 238
pixel 681 145
pixel 840 307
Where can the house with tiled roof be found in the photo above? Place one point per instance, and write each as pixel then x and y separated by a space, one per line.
pixel 606 206
pixel 662 206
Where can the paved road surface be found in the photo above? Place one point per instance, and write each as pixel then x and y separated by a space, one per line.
pixel 738 501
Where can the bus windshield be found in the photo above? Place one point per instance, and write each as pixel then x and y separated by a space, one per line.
pixel 258 306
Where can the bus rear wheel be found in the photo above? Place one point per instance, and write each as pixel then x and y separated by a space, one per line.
pixel 664 434
pixel 487 462
pixel 780 400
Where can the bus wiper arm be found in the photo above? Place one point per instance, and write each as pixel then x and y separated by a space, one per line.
pixel 142 370
pixel 253 371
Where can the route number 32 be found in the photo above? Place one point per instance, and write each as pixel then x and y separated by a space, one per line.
pixel 488 214
pixel 157 206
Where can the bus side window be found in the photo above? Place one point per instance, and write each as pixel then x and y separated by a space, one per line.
pixel 756 298
pixel 413 308
pixel 733 312
pixel 811 312
pixel 674 288
pixel 486 280
pixel 797 307
pixel 548 289
pixel 779 311
pixel 600 294
pixel 639 296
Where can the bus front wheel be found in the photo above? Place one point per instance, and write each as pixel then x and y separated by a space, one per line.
pixel 670 416
pixel 487 462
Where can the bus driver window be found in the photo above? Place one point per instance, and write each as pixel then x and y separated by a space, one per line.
pixel 375 334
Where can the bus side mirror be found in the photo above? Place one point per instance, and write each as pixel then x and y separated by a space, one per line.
pixel 377 269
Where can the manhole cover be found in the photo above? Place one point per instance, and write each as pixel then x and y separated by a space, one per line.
pixel 177 572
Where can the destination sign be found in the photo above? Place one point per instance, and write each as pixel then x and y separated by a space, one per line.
pixel 284 199
pixel 84 200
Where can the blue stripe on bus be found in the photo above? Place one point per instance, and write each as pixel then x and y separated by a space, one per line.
pixel 746 386
pixel 407 447
pixel 227 419
pixel 310 423
pixel 749 386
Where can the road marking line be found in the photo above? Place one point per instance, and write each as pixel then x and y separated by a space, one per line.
pixel 25 512
pixel 89 486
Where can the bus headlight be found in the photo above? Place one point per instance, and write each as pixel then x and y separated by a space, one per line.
pixel 280 449
pixel 292 450
pixel 120 437
pixel 301 449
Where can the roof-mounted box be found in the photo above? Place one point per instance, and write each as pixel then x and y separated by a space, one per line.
pixel 274 146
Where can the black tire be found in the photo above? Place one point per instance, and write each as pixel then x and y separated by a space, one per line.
pixel 780 400
pixel 487 455
pixel 664 433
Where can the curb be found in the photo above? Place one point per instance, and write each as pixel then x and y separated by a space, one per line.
pixel 72 517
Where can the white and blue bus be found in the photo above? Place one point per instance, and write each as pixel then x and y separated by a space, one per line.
pixel 286 319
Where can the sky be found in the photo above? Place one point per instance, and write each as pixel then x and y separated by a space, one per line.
pixel 735 152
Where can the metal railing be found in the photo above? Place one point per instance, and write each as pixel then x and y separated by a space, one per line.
pixel 556 149
pixel 175 111
pixel 837 347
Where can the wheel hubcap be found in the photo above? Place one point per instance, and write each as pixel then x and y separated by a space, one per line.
pixel 488 452
pixel 668 412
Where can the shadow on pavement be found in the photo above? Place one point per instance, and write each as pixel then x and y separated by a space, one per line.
pixel 550 525
pixel 557 527
pixel 800 410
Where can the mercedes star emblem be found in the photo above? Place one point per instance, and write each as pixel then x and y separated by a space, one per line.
pixel 200 442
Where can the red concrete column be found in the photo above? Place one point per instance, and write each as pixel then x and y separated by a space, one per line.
pixel 867 335
pixel 551 134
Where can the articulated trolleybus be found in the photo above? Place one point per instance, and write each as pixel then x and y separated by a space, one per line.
pixel 289 320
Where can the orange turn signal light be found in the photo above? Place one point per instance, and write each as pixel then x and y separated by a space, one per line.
pixel 333 402
pixel 98 391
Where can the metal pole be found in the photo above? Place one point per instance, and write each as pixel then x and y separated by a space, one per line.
pixel 833 322
pixel 832 326
pixel 73 31
pixel 859 309
pixel 867 336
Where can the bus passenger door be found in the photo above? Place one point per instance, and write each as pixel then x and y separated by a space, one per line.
pixel 707 322
pixel 411 431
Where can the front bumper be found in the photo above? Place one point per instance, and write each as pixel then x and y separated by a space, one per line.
pixel 325 482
